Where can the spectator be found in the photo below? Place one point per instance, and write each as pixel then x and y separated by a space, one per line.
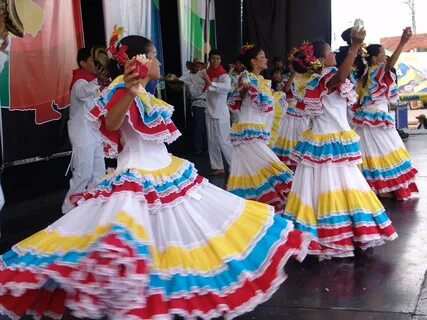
pixel 422 121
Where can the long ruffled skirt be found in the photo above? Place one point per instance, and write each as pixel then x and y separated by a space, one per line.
pixel 150 244
pixel 331 199
pixel 258 174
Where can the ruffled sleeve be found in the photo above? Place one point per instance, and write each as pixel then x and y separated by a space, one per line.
pixel 148 116
pixel 259 93
pixel 312 92
pixel 381 86
pixel 310 95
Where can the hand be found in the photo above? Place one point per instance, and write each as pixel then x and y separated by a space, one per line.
pixel 406 35
pixel 357 37
pixel 103 76
pixel 207 78
pixel 244 89
pixel 131 79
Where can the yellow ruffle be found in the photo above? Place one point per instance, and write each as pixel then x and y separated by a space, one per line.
pixel 50 242
pixel 388 161
pixel 235 240
pixel 175 165
pixel 286 143
pixel 343 136
pixel 277 117
pixel 237 182
pixel 150 101
pixel 333 202
pixel 254 126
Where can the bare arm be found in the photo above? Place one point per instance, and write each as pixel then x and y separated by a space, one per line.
pixel 357 38
pixel 117 114
pixel 288 85
pixel 406 35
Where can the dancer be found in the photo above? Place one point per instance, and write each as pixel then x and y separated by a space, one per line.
pixel 195 86
pixel 256 172
pixel 217 86
pixel 154 238
pixel 386 163
pixel 87 160
pixel 293 123
pixel 330 197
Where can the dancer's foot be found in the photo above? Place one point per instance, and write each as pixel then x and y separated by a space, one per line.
pixel 217 172
pixel 386 195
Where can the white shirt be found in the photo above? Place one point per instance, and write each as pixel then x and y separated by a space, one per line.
pixel 195 84
pixel 81 130
pixel 3 59
pixel 216 97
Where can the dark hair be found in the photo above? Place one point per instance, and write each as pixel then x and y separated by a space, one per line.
pixel 277 59
pixel 319 48
pixel 83 55
pixel 135 45
pixel 362 64
pixel 346 35
pixel 274 82
pixel 373 51
pixel 248 55
pixel 214 52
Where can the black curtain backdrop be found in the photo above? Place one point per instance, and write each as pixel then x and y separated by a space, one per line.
pixel 228 29
pixel 278 25
pixel 93 22
pixel 170 36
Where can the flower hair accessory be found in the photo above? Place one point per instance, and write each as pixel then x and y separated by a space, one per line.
pixel 118 52
pixel 115 48
pixel 246 47
pixel 304 56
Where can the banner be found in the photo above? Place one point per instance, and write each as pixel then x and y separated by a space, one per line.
pixel 412 76
pixel 137 17
pixel 36 78
pixel 197 29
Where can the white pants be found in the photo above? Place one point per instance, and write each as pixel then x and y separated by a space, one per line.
pixel 218 131
pixel 87 165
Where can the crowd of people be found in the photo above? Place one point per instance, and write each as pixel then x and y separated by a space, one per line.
pixel 308 151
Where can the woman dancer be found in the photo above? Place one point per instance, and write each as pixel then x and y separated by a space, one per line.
pixel 293 123
pixel 256 172
pixel 330 197
pixel 386 163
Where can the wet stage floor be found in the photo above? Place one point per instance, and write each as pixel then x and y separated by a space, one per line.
pixel 388 284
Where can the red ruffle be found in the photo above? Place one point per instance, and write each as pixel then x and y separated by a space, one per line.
pixel 164 130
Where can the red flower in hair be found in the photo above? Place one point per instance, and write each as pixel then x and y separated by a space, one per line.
pixel 121 56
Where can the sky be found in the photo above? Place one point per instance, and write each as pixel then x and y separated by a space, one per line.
pixel 382 18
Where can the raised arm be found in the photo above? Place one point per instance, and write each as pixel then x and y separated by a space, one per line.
pixel 116 115
pixel 357 37
pixel 406 35
pixel 291 79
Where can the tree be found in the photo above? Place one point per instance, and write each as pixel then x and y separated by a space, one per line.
pixel 411 4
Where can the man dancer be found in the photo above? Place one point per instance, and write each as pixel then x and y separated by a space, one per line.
pixel 217 86
pixel 87 160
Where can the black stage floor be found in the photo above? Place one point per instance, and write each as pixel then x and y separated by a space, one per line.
pixel 390 284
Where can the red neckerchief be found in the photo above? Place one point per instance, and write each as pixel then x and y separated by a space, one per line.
pixel 214 73
pixel 81 74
